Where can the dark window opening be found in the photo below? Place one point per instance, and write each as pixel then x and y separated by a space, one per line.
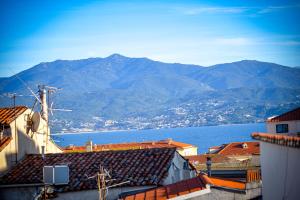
pixel 282 128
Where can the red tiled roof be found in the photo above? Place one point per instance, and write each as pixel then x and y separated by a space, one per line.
pixel 4 142
pixel 288 116
pixel 170 191
pixel 227 183
pixel 8 115
pixel 284 140
pixel 236 148
pixel 201 159
pixel 132 145
pixel 140 167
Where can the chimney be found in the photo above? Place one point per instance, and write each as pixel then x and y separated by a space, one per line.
pixel 43 152
pixel 89 146
pixel 208 165
pixel 169 140
pixel 244 146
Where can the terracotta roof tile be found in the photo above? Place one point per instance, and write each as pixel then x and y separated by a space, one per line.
pixel 201 159
pixel 170 191
pixel 132 145
pixel 4 141
pixel 236 148
pixel 134 165
pixel 284 140
pixel 288 116
pixel 8 115
pixel 227 183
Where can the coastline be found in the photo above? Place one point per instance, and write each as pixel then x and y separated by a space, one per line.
pixel 134 130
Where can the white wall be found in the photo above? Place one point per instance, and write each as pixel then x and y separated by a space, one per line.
pixel 177 172
pixel 294 126
pixel 280 171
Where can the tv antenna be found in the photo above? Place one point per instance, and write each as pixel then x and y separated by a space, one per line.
pixel 101 178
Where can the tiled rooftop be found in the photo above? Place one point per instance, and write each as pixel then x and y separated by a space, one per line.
pixel 170 191
pixel 4 141
pixel 201 159
pixel 140 167
pixel 284 140
pixel 288 116
pixel 133 145
pixel 8 115
pixel 219 182
pixel 236 148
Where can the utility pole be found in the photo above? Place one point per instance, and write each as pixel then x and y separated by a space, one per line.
pixel 101 183
pixel 15 116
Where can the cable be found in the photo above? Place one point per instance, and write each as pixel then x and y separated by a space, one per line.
pixel 23 82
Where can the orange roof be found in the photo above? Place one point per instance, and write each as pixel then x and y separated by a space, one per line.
pixel 236 148
pixel 284 140
pixel 288 116
pixel 131 145
pixel 227 183
pixel 170 191
pixel 201 159
pixel 4 142
pixel 8 115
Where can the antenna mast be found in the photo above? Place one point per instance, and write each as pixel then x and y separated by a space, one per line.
pixel 44 105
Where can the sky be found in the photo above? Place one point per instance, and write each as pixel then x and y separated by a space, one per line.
pixel 192 32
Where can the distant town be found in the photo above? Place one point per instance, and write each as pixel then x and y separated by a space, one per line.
pixel 213 112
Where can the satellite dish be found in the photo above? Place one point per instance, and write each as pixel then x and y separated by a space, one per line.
pixel 35 119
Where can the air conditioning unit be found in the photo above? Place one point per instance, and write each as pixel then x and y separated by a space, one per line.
pixel 56 175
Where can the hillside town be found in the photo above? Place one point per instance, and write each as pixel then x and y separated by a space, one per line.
pixel 34 167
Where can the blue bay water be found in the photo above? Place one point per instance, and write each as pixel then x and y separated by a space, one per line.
pixel 203 137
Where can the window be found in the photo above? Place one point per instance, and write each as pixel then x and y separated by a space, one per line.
pixel 282 128
pixel 186 166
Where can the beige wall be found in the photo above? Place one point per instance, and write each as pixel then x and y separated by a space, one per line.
pixel 280 171
pixel 294 126
pixel 25 142
pixel 191 151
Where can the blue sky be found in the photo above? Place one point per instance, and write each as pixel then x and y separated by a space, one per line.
pixel 196 32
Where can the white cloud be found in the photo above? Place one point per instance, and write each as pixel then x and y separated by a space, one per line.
pixel 234 10
pixel 271 9
pixel 287 43
pixel 214 10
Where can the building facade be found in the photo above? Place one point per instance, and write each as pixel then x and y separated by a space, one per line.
pixel 286 123
pixel 280 166
pixel 17 137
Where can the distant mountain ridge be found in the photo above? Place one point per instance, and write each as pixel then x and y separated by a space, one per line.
pixel 119 92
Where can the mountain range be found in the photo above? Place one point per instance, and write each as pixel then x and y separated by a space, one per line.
pixel 119 92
